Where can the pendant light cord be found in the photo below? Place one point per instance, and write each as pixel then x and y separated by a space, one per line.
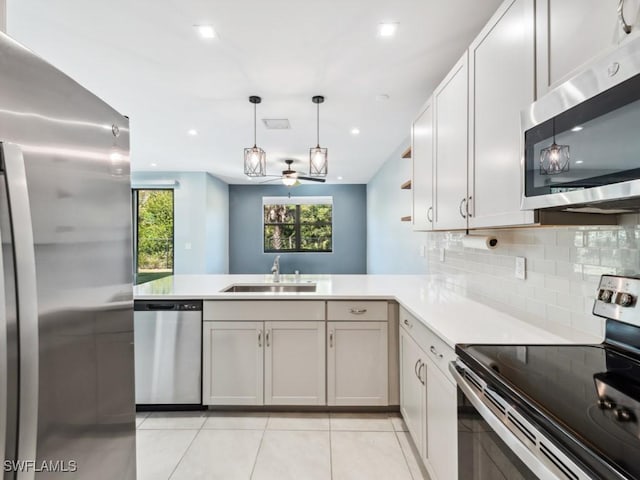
pixel 318 125
pixel 255 142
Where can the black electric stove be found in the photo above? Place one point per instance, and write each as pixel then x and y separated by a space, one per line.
pixel 584 398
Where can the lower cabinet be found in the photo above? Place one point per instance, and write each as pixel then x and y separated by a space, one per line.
pixel 263 363
pixel 357 363
pixel 428 400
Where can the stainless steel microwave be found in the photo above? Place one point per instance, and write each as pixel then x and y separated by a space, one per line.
pixel 582 139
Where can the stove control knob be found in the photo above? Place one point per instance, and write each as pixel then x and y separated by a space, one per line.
pixel 605 295
pixel 625 300
pixel 624 415
pixel 606 403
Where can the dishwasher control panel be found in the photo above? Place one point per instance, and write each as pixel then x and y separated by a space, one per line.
pixel 167 305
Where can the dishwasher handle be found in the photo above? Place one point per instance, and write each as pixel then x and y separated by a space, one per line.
pixel 160 306
pixel 167 305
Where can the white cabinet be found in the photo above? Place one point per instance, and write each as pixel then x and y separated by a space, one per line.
pixel 422 177
pixel 570 33
pixel 294 367
pixel 442 424
pixel 428 400
pixel 357 363
pixel 450 100
pixel 413 393
pixel 232 367
pixel 502 83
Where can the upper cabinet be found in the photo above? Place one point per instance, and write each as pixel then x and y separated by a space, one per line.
pixel 450 101
pixel 422 157
pixel 502 66
pixel 573 32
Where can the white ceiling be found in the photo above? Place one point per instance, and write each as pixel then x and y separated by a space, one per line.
pixel 145 58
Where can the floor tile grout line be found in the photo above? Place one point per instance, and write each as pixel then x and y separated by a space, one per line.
pixel 183 453
pixel 404 455
pixel 255 462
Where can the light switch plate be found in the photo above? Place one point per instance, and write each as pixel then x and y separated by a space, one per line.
pixel 521 268
pixel 187 246
pixel 442 254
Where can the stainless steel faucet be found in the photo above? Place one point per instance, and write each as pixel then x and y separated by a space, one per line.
pixel 275 269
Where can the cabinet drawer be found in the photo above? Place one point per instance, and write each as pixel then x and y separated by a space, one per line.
pixel 354 311
pixel 267 310
pixel 438 351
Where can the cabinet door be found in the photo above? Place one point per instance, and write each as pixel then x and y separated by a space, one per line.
pixel 442 425
pixel 357 363
pixel 422 160
pixel 502 83
pixel 294 369
pixel 413 402
pixel 451 128
pixel 570 33
pixel 232 363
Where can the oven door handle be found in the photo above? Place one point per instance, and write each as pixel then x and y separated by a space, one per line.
pixel 534 460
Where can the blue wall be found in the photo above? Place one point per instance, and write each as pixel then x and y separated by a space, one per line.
pixel 201 219
pixel 392 245
pixel 349 230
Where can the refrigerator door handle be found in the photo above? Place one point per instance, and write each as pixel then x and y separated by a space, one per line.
pixel 4 367
pixel 20 212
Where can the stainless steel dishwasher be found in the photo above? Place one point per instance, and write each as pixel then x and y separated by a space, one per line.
pixel 168 358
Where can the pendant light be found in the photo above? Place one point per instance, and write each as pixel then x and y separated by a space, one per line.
pixel 318 157
pixel 255 158
pixel 554 159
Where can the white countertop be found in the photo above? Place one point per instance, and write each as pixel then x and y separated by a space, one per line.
pixel 452 317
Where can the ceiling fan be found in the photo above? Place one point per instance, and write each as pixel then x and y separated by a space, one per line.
pixel 291 178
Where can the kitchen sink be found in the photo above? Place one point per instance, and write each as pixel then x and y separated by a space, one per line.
pixel 271 287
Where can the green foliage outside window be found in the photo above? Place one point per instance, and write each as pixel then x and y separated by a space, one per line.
pixel 298 228
pixel 154 233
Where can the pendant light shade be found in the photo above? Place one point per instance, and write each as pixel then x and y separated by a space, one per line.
pixel 255 158
pixel 554 159
pixel 318 156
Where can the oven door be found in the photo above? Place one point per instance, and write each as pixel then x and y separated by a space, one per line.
pixel 496 443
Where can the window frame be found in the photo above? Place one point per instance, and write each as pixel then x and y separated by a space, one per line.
pixel 135 211
pixel 297 224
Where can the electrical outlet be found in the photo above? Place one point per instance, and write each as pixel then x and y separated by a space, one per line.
pixel 423 250
pixel 442 254
pixel 521 268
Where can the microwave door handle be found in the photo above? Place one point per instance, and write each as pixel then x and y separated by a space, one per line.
pixel 13 170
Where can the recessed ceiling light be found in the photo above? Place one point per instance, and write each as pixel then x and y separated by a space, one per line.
pixel 578 162
pixel 206 31
pixel 276 123
pixel 383 97
pixel 193 132
pixel 387 29
pixel 339 178
pixel 355 131
pixel 154 164
pixel 577 128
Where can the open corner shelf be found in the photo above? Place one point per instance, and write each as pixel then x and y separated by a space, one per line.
pixel 406 185
pixel 407 153
pixel 405 219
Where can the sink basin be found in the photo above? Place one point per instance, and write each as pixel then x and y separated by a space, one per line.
pixel 271 287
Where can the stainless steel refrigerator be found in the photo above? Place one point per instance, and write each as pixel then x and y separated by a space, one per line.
pixel 66 318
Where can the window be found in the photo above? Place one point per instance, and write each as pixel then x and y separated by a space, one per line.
pixel 297 224
pixel 153 234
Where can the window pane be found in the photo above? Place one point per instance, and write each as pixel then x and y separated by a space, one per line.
pixel 315 213
pixel 279 237
pixel 315 237
pixel 279 214
pixel 154 233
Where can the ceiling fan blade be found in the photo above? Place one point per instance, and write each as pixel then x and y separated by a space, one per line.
pixel 312 179
pixel 272 179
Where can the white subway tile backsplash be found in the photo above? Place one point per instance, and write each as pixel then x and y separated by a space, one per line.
pixel 564 265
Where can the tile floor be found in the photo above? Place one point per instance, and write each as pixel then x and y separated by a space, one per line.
pixel 274 446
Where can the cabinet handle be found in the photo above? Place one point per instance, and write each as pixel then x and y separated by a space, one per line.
pixel 406 322
pixel 430 214
pixel 267 338
pixel 260 338
pixel 626 28
pixel 331 339
pixel 462 202
pixel 469 207
pixel 357 311
pixel 435 352
pixel 420 374
pixel 415 368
